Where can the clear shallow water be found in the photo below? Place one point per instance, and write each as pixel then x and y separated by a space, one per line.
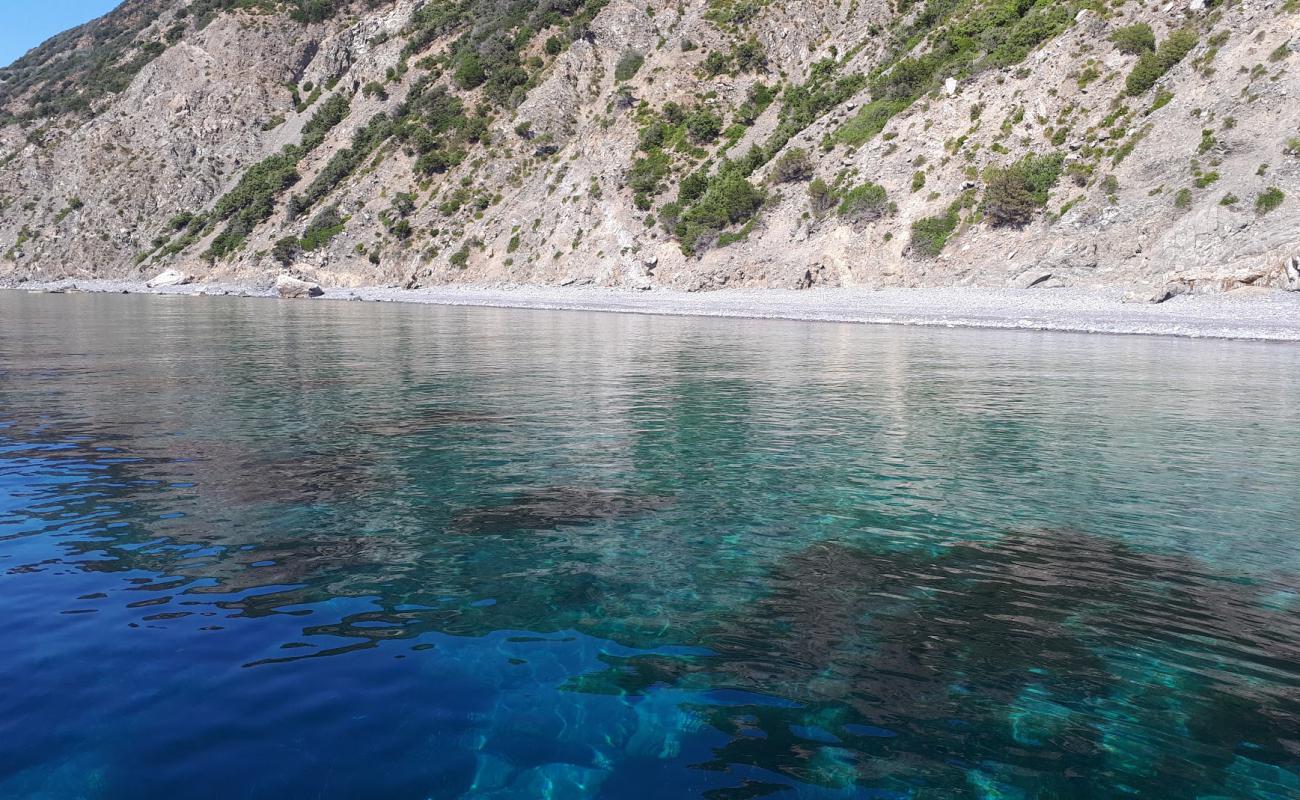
pixel 262 550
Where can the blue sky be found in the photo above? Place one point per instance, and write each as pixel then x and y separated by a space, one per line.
pixel 25 24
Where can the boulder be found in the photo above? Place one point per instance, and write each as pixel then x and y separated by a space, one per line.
pixel 1158 295
pixel 1031 278
pixel 170 277
pixel 289 287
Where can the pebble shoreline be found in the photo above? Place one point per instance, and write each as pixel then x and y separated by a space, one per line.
pixel 1254 315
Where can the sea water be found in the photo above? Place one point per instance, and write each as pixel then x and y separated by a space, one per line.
pixel 252 549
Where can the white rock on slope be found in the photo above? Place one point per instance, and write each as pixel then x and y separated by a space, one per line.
pixel 170 277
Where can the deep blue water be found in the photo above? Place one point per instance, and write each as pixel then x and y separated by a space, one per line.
pixel 270 550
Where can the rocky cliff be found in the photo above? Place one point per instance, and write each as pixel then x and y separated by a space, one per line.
pixel 692 144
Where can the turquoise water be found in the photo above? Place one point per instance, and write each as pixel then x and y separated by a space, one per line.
pixel 252 549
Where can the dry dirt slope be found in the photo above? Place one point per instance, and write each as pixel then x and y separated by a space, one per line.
pixel 692 144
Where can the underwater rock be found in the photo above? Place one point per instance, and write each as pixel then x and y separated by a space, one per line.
pixel 998 655
pixel 230 474
pixel 556 507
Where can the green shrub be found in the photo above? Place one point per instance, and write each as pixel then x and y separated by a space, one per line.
pixel 469 72
pixel 669 215
pixel 793 165
pixel 692 187
pixel 286 250
pixel 716 63
pixel 327 224
pixel 864 203
pixel 652 136
pixel 930 234
pixel 553 46
pixel 342 164
pixel 460 258
pixel 749 56
pixel 646 173
pixel 1229 199
pixel 404 204
pixel 308 11
pixel 74 204
pixel 733 12
pixel 252 200
pixel 1134 39
pixel 704 126
pixel 1153 64
pixel 181 220
pixel 730 199
pixel 1183 199
pixel 918 180
pixel 1268 200
pixel 869 121
pixel 628 65
pixel 1162 98
pixel 821 198
pixel 330 114
pixel 1204 179
pixel 1014 193
pixel 758 98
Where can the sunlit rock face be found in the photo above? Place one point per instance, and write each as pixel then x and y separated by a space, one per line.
pixel 681 145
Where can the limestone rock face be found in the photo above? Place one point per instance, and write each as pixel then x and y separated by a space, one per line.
pixel 291 288
pixel 560 168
